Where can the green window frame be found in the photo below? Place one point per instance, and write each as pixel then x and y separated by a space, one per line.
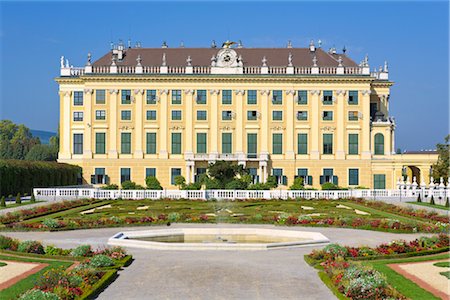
pixel 176 143
pixel 100 114
pixel 201 97
pixel 353 176
pixel 302 143
pixel 327 97
pixel 252 115
pixel 252 97
pixel 77 143
pixel 202 115
pixel 100 143
pixel 151 96
pixel 125 115
pixel 176 96
pixel 176 115
pixel 150 143
pixel 126 96
pixel 327 115
pixel 78 98
pixel 202 142
pixel 353 143
pixel 174 172
pixel 279 177
pixel 252 145
pixel 227 97
pixel 327 143
pixel 277 97
pixel 353 116
pixel 302 97
pixel 379 144
pixel 379 181
pixel 100 96
pixel 277 115
pixel 125 174
pixel 353 97
pixel 227 142
pixel 78 116
pixel 151 115
pixel 302 115
pixel 303 173
pixel 150 172
pixel 227 115
pixel 125 143
pixel 277 143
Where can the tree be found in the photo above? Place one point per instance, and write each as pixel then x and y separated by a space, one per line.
pixel 15 140
pixel 180 181
pixel 128 185
pixel 54 141
pixel 224 172
pixel 153 183
pixel 441 167
pixel 3 202
pixel 271 182
pixel 43 153
pixel 298 184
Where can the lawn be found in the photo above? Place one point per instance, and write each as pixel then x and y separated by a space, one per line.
pixel 438 206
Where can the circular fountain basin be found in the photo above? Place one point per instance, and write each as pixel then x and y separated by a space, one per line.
pixel 217 239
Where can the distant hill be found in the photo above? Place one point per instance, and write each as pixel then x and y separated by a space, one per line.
pixel 44 136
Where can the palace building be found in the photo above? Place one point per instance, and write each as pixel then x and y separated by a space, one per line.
pixel 138 112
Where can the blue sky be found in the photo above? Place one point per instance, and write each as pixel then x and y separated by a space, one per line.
pixel 412 36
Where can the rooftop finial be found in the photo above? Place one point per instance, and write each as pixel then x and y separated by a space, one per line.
pixel 138 59
pixel 385 69
pixel 164 45
pixel 113 60
pixel 290 60
pixel 164 63
pixel 182 44
pixel 319 42
pixel 240 44
pixel 62 61
pixel 314 61
pixel 189 61
pixel 88 59
pixel 240 62
pixel 264 61
pixel 213 44
pixel 129 43
pixel 312 47
pixel 213 60
pixel 289 45
pixel 344 50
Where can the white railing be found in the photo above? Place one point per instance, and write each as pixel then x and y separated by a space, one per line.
pixel 54 194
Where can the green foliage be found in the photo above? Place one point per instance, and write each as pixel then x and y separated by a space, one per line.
pixel 100 261
pixel 236 184
pixel 336 250
pixel 173 217
pixel 3 202
pixel 130 185
pixel 111 187
pixel 180 181
pixel 38 295
pixel 18 199
pixel 441 167
pixel 18 176
pixel 83 250
pixel 52 250
pixel 442 264
pixel 419 199
pixel 432 200
pixel 330 186
pixel 15 140
pixel 32 198
pixel 43 153
pixel 298 184
pixel 224 172
pixel 153 183
pixel 258 186
pixel 51 223
pixel 31 247
pixel 7 243
pixel 447 203
pixel 193 186
pixel 271 182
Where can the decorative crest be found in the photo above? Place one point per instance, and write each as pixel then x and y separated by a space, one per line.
pixel 189 61
pixel 264 61
pixel 164 62
pixel 139 60
pixel 228 44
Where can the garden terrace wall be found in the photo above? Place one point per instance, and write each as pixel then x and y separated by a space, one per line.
pixel 18 176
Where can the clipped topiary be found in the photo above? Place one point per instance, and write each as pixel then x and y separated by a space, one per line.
pixel 3 202
pixel 18 199
pixel 432 200
pixel 447 203
pixel 419 199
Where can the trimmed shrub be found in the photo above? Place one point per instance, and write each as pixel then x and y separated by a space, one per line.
pixel 298 184
pixel 101 261
pixel 83 250
pixel 18 199
pixel 328 186
pixel 173 216
pixel 111 187
pixel 7 243
pixel 153 183
pixel 31 247
pixel 419 199
pixel 38 295
pixel 3 202
pixel 432 200
pixel 128 185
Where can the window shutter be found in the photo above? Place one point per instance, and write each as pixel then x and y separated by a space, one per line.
pixel 309 180
pixel 257 178
pixel 106 179
pixel 335 180
pixel 322 179
pixel 93 181
pixel 284 180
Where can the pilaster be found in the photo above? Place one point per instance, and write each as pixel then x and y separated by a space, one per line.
pixel 163 124
pixel 214 133
pixel 239 121
pixel 315 115
pixel 265 95
pixel 87 142
pixel 290 100
pixel 189 119
pixel 366 134
pixel 138 150
pixel 113 95
pixel 340 117
pixel 65 131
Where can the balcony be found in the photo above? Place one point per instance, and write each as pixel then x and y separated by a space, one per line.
pixel 229 157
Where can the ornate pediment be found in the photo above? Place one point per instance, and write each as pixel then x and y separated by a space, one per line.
pixel 226 61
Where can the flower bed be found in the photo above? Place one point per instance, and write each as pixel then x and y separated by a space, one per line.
pixel 95 270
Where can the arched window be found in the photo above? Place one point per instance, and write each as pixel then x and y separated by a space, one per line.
pixel 379 144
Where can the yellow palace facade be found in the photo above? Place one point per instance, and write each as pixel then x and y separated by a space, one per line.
pixel 287 112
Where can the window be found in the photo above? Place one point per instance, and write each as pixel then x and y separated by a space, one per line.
pixel 151 143
pixel 126 115
pixel 100 97
pixel 78 143
pixel 277 97
pixel 151 96
pixel 227 97
pixel 353 116
pixel 302 115
pixel 150 172
pixel 252 115
pixel 353 97
pixel 126 96
pixel 125 143
pixel 201 142
pixel 379 144
pixel 379 181
pixel 100 143
pixel 252 97
pixel 328 177
pixel 176 114
pixel 252 145
pixel 227 115
pixel 77 116
pixel 78 98
pixel 151 115
pixel 99 176
pixel 353 143
pixel 176 143
pixel 327 116
pixel 277 115
pixel 278 173
pixel 253 172
pixel 327 97
pixel 174 172
pixel 327 143
pixel 176 96
pixel 201 115
pixel 277 143
pixel 201 97
pixel 303 173
pixel 302 97
pixel 353 176
pixel 302 143
pixel 227 143
pixel 125 174
pixel 100 114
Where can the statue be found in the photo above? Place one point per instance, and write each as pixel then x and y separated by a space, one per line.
pixel 164 63
pixel 314 61
pixel 62 62
pixel 89 59
pixel 67 63
pixel 138 59
pixel 228 44
pixel 264 61
pixel 189 61
pixel 290 60
pixel 340 61
pixel 213 61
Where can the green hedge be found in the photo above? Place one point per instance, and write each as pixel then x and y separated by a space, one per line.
pixel 18 176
